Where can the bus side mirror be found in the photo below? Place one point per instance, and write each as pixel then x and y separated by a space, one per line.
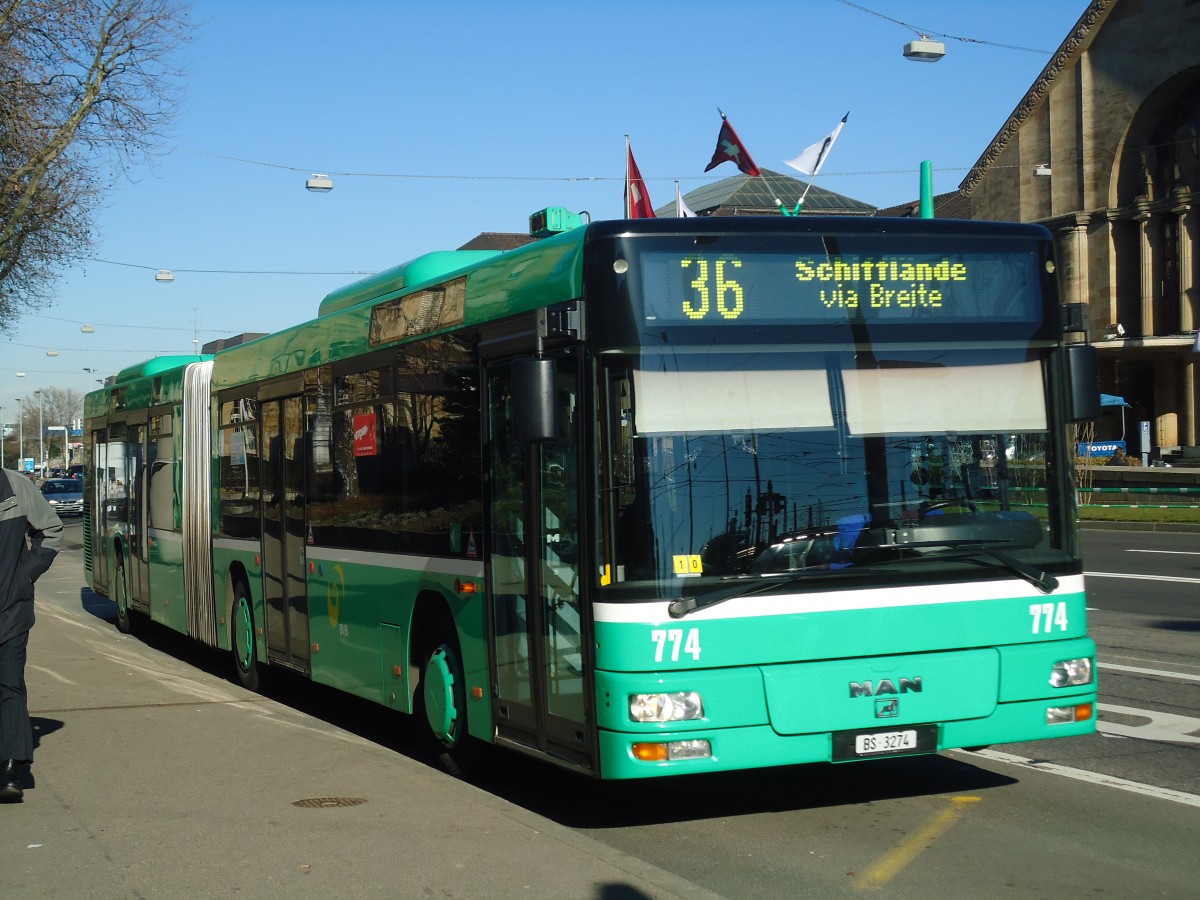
pixel 533 399
pixel 1083 383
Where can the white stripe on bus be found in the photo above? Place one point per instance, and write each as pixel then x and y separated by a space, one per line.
pixel 461 568
pixel 655 612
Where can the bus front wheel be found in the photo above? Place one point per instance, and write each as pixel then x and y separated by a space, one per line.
pixel 441 709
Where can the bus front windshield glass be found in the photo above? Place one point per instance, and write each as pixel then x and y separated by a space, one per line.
pixel 751 464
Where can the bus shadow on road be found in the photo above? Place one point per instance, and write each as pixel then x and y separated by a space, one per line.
pixel 1177 625
pixel 579 803
pixel 97 605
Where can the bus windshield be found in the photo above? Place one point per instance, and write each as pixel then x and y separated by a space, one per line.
pixel 771 461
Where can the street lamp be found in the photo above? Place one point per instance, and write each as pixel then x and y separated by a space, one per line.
pixel 926 49
pixel 319 183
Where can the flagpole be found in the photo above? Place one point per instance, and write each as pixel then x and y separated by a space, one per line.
pixel 628 154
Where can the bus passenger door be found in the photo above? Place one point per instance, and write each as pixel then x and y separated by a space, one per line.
pixel 96 541
pixel 537 623
pixel 135 486
pixel 285 583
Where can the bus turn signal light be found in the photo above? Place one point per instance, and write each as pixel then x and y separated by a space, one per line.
pixel 1061 715
pixel 662 752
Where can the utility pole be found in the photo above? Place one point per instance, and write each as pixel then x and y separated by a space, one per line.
pixel 21 434
pixel 41 434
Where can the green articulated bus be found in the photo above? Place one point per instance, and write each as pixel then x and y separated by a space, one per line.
pixel 639 498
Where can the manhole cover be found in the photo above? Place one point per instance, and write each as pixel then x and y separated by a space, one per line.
pixel 328 802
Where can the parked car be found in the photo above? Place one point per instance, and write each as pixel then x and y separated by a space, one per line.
pixel 65 495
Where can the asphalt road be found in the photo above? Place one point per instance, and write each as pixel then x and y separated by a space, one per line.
pixel 1116 814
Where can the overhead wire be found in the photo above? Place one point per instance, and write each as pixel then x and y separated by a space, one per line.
pixel 929 32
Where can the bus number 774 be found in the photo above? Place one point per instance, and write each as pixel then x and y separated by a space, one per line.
pixel 1048 615
pixel 675 637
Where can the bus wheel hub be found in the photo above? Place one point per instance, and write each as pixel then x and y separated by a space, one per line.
pixel 440 707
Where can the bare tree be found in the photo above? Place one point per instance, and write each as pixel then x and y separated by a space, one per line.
pixel 86 88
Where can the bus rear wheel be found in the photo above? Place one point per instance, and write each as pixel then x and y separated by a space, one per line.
pixel 125 623
pixel 245 648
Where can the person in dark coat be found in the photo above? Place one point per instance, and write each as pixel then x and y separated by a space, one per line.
pixel 30 535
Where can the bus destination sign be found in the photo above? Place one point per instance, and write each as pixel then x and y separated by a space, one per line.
pixel 710 289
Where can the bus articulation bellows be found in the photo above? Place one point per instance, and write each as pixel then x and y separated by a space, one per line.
pixel 640 498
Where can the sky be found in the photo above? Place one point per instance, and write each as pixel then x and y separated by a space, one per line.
pixel 441 119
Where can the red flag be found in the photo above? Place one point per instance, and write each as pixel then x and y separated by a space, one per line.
pixel 731 149
pixel 637 198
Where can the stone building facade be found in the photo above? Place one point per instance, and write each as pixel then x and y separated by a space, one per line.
pixel 1104 150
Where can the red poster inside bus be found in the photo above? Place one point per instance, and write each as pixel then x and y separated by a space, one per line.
pixel 366 442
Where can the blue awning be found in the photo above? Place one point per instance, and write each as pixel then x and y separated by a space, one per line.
pixel 1113 400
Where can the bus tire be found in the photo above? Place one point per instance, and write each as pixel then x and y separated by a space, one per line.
pixel 125 622
pixel 242 639
pixel 440 708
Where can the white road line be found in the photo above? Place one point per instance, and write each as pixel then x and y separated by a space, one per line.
pixel 1135 787
pixel 1157 673
pixel 1169 552
pixel 1141 577
pixel 1159 726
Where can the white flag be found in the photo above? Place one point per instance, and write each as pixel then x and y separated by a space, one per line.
pixel 682 210
pixel 810 161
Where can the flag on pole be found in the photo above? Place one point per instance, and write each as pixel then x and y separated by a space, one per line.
pixel 682 210
pixel 810 161
pixel 731 149
pixel 637 198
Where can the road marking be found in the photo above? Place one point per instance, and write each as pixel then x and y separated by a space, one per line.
pixel 1147 790
pixel 1168 552
pixel 61 679
pixel 1157 673
pixel 1173 578
pixel 895 860
pixel 1161 727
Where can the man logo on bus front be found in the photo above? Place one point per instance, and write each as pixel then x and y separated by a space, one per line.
pixel 887 709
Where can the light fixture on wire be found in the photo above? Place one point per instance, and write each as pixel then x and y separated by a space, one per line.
pixel 926 49
pixel 1041 170
pixel 319 184
pixel 88 329
pixel 164 276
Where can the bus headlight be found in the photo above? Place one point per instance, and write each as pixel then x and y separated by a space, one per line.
pixel 679 706
pixel 1071 672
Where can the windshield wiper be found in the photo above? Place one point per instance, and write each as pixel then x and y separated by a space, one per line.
pixel 1043 581
pixel 684 605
